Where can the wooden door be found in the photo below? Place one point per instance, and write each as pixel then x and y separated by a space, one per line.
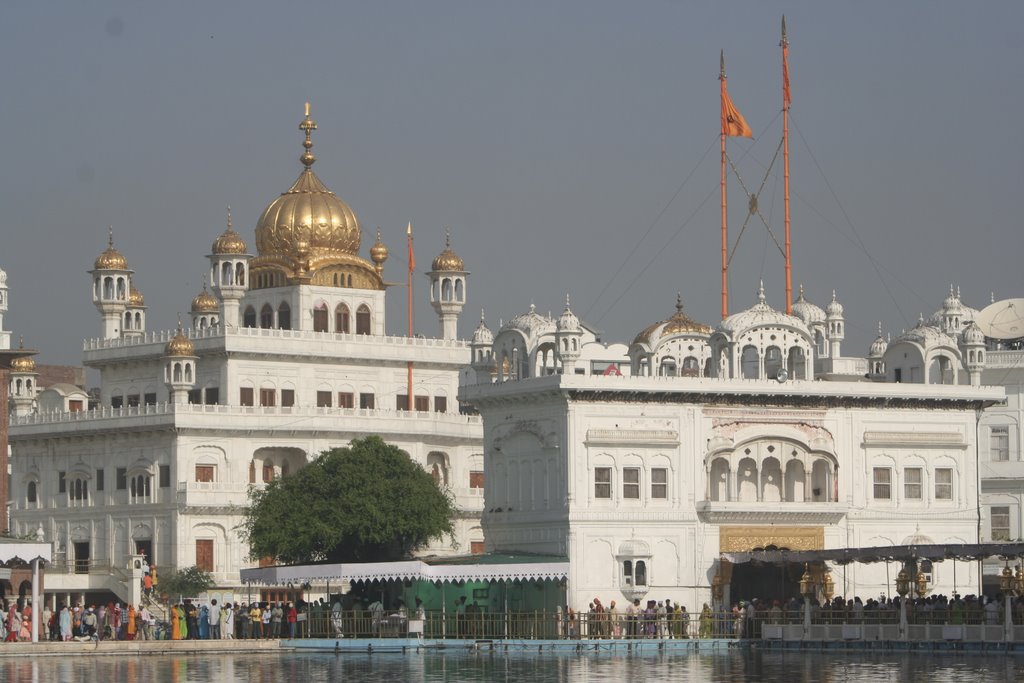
pixel 204 554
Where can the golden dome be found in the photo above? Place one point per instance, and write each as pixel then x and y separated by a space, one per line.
pixel 23 364
pixel 448 259
pixel 135 299
pixel 229 242
pixel 679 323
pixel 111 258
pixel 180 345
pixel 308 223
pixel 205 302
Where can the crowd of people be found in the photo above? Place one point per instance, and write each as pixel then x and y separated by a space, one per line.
pixel 212 621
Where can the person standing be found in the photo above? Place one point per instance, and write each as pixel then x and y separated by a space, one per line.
pixel 214 618
pixel 64 618
pixel 276 617
pixel 293 618
pixel 227 620
pixel 145 618
pixel 256 620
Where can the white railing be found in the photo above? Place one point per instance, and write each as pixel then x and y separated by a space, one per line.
pixel 108 413
pixel 164 336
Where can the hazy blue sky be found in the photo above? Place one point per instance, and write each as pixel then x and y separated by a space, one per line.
pixel 550 136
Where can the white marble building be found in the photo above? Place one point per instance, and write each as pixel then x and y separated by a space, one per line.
pixel 286 355
pixel 724 440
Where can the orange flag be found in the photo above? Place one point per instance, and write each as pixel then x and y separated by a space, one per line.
pixel 412 257
pixel 733 123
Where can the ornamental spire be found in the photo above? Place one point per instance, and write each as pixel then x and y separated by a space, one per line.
pixel 307 126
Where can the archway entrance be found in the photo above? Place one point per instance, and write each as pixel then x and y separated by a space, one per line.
pixel 765 581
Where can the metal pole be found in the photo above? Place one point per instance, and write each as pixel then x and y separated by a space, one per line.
pixel 36 618
pixel 725 239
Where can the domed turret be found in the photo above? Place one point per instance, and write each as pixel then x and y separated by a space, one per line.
pixel 111 281
pixel 876 356
pixel 229 242
pixel 205 310
pixel 179 345
pixel 134 321
pixel 22 383
pixel 448 260
pixel 568 338
pixel 448 288
pixel 111 258
pixel 179 366
pixel 834 308
pixel 836 325
pixel 972 350
pixel 806 311
pixel 5 336
pixel 309 235
pixel 229 273
pixel 483 353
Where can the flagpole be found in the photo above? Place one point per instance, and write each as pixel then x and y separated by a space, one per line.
pixel 785 161
pixel 412 266
pixel 725 242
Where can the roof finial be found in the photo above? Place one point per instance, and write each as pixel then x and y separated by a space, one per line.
pixel 879 328
pixel 721 61
pixel 21 341
pixel 307 126
pixel 481 315
pixel 801 297
pixel 760 293
pixel 958 292
pixel 447 237
pixel 679 302
pixel 110 236
pixel 229 218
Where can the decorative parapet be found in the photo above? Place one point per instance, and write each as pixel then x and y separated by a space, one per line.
pixel 658 437
pixel 914 440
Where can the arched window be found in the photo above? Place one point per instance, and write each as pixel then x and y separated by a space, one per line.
pixel 140 487
pixel 78 492
pixel 108 288
pixel 122 290
pixel 32 495
pixel 240 274
pixel 750 363
pixel 459 292
pixel 249 317
pixel 363 320
pixel 177 372
pixel 284 316
pixel 226 275
pixel 266 317
pixel 127 321
pixel 342 319
pixel 446 290
pixel 320 317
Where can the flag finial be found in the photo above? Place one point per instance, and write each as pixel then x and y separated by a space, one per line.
pixel 721 63
pixel 785 40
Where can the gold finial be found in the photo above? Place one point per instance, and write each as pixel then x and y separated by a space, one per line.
pixel 229 218
pixel 110 236
pixel 447 237
pixel 307 126
pixel 21 341
pixel 679 302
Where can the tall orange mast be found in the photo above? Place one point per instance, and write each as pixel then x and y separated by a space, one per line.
pixel 412 267
pixel 785 160
pixel 725 238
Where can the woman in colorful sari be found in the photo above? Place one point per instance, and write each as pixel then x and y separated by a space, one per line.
pixel 175 624
pixel 182 623
pixel 705 622
pixel 13 623
pixel 132 625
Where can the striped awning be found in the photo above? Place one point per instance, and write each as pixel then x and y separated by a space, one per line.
pixel 410 570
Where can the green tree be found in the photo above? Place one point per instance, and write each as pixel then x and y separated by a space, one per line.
pixel 368 502
pixel 188 583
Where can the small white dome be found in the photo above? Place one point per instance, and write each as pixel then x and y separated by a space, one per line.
pixel 973 335
pixel 761 315
pixel 482 335
pixel 834 308
pixel 568 322
pixel 806 311
pixel 878 346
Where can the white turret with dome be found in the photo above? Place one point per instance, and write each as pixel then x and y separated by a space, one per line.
pixel 111 282
pixel 5 335
pixel 229 272
pixel 483 355
pixel 569 336
pixel 448 288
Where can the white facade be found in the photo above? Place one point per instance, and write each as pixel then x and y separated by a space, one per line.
pixel 644 481
pixel 286 356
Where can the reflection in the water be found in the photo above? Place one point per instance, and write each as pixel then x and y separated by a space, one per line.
pixel 457 666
